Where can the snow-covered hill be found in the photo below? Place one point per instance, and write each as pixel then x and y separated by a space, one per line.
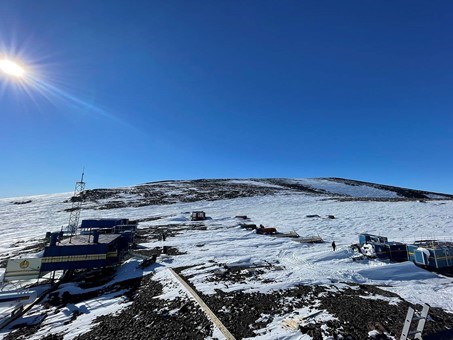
pixel 205 249
pixel 169 192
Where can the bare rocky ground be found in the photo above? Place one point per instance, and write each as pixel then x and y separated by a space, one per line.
pixel 242 312
pixel 158 232
pixel 151 318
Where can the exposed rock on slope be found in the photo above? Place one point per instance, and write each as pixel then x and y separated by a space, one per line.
pixel 170 192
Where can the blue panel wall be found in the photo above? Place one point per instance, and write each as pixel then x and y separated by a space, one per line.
pixel 397 252
pixel 103 223
pixel 410 251
pixel 57 250
pixel 51 266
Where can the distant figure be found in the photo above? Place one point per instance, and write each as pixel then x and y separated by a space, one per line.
pixel 333 245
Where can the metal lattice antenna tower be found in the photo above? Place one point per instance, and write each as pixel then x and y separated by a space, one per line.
pixel 76 206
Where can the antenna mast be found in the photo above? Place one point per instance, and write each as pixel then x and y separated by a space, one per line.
pixel 76 206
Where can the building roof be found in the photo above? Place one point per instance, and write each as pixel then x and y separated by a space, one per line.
pixel 97 223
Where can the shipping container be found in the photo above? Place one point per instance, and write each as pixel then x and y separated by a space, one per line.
pixel 432 254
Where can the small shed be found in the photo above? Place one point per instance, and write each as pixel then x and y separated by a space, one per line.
pixel 198 215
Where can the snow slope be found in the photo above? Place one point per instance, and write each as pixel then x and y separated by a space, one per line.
pixel 344 189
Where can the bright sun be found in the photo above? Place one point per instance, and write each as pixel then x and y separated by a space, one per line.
pixel 11 68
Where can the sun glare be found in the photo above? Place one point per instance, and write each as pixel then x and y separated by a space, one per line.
pixel 11 68
pixel 33 82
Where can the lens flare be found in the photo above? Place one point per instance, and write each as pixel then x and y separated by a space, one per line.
pixel 34 82
pixel 11 68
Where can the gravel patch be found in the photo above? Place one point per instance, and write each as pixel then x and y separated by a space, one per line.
pixel 153 318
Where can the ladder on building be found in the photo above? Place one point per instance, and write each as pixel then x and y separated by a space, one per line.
pixel 412 316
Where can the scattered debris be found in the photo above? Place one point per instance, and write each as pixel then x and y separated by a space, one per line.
pixel 248 226
pixel 291 234
pixel 309 239
pixel 296 322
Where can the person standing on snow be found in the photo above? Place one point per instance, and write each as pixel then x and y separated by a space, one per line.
pixel 333 245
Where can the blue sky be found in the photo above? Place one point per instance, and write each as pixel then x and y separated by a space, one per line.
pixel 152 90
